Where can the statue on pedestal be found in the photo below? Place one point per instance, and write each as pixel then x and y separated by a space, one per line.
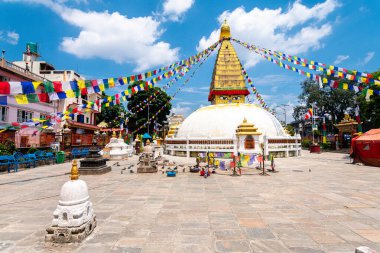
pixel 147 162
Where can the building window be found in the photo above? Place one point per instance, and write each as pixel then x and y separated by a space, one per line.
pixel 87 120
pixel 23 116
pixel 80 118
pixel 43 116
pixel 3 113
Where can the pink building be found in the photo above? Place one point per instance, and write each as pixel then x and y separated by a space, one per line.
pixel 13 113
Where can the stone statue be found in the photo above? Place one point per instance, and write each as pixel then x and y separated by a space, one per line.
pixel 147 162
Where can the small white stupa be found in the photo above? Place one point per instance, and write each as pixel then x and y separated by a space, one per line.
pixel 74 218
pixel 118 149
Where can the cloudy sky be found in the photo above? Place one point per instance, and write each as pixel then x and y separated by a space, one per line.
pixel 113 38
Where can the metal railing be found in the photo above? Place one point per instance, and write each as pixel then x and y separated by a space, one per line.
pixel 20 71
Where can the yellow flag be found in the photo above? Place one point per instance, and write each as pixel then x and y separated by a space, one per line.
pixel 81 84
pixel 101 87
pixel 325 80
pixel 70 94
pixel 345 86
pixel 36 84
pixel 21 99
pixel 111 82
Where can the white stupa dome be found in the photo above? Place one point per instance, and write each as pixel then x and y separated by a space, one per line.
pixel 222 120
pixel 73 192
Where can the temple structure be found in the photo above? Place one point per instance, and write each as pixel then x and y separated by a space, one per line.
pixel 229 124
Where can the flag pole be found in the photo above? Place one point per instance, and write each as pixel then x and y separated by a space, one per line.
pixel 312 121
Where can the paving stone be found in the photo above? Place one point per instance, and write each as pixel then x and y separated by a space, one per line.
pixel 228 234
pixel 258 233
pixel 232 246
pixel 268 246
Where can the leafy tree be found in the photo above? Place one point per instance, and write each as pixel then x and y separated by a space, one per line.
pixel 112 115
pixel 370 110
pixel 332 101
pixel 138 117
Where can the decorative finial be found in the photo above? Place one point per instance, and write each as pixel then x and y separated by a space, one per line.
pixel 113 134
pixel 148 142
pixel 225 21
pixel 74 171
pixel 119 134
pixel 244 120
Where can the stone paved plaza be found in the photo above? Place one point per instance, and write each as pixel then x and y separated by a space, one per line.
pixel 332 208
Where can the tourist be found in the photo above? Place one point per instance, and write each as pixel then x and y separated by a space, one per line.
pixel 202 172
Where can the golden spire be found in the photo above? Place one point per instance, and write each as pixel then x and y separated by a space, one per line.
pixel 228 82
pixel 113 134
pixel 225 31
pixel 74 171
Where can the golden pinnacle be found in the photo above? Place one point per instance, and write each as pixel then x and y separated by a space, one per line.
pixel 113 134
pixel 74 171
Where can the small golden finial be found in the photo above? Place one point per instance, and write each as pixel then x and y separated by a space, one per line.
pixel 120 135
pixel 113 134
pixel 74 171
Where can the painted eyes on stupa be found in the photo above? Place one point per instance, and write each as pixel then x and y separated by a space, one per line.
pixel 223 98
pixel 235 98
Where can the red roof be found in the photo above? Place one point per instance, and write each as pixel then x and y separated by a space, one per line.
pixel 82 125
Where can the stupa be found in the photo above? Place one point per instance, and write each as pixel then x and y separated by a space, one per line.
pixel 214 128
pixel 119 150
pixel 74 218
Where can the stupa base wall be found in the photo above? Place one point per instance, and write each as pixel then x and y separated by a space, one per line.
pixel 57 234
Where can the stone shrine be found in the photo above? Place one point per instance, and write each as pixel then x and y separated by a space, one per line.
pixel 147 162
pixel 94 164
pixel 74 218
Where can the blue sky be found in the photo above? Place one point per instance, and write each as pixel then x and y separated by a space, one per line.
pixel 102 39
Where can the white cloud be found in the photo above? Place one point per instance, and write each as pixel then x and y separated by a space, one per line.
pixel 9 37
pixel 113 36
pixel 194 90
pixel 174 9
pixel 367 58
pixel 295 30
pixel 341 58
pixel 178 109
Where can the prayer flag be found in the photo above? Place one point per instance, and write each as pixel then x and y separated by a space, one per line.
pixel 21 99
pixel 309 114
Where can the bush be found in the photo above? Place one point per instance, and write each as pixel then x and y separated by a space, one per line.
pixel 32 150
pixel 326 146
pixel 7 148
pixel 306 143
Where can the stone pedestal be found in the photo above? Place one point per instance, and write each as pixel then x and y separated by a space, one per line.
pixel 147 163
pixel 74 218
pixel 94 164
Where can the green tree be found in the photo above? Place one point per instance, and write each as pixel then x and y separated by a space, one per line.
pixel 370 110
pixel 332 101
pixel 112 115
pixel 138 117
